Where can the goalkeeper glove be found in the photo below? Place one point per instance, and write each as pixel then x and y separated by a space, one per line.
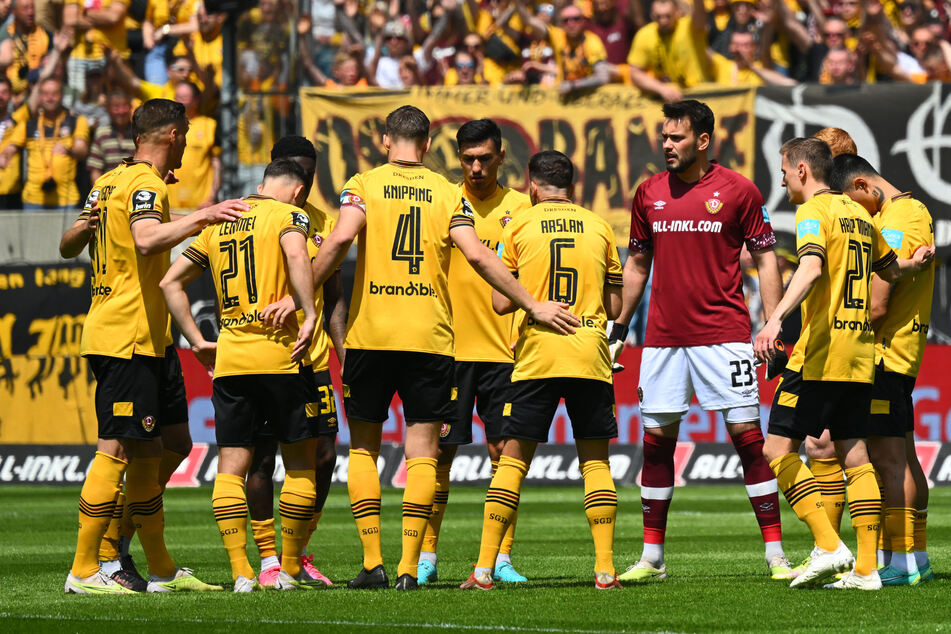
pixel 616 344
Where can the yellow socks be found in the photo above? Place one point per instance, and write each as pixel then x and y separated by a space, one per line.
pixel 600 507
pixel 310 530
pixel 231 513
pixel 96 502
pixel 363 485
pixel 501 503
pixel 264 537
pixel 109 548
pixel 417 507
pixel 508 540
pixel 144 497
pixel 297 511
pixel 921 530
pixel 900 527
pixel 865 507
pixel 802 492
pixel 831 480
pixel 440 500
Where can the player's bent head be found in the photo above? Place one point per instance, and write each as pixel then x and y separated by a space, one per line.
pixel 301 151
pixel 853 175
pixel 838 140
pixel 155 118
pixel 408 123
pixel 812 153
pixel 284 180
pixel 477 132
pixel 697 113
pixel 551 170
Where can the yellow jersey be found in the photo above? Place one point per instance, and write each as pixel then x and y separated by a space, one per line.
pixel 89 45
pixel 836 342
pixel 679 57
pixel 481 334
pixel 727 73
pixel 401 283
pixel 321 224
pixel 247 264
pixel 900 340
pixel 576 62
pixel 10 175
pixel 38 135
pixel 196 175
pixel 564 253
pixel 128 314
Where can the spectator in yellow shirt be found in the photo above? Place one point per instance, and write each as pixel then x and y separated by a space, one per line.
pixel 580 56
pixel 742 68
pixel 55 140
pixel 199 177
pixel 669 53
pixel 25 46
pixel 10 184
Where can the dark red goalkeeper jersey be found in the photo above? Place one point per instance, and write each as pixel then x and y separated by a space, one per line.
pixel 696 232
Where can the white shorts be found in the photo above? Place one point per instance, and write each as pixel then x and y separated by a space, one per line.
pixel 722 376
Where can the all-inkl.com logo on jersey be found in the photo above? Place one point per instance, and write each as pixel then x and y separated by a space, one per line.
pixel 410 289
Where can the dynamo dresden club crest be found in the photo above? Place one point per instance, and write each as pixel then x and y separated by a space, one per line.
pixel 714 205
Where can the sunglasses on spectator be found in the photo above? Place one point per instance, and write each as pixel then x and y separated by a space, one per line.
pixel 908 6
pixel 572 18
pixel 395 37
pixel 834 33
pixel 465 65
pixel 180 69
pixel 474 47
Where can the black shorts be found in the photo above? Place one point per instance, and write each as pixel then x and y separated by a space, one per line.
pixel 531 406
pixel 892 408
pixel 244 402
pixel 479 384
pixel 372 377
pixel 173 404
pixel 127 396
pixel 321 407
pixel 805 408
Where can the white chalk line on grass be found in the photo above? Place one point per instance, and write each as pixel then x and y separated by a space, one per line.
pixel 433 626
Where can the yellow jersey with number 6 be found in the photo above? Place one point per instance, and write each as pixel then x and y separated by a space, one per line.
pixel 400 287
pixel 836 342
pixel 561 252
pixel 247 264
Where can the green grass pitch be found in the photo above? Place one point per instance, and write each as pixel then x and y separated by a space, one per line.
pixel 717 578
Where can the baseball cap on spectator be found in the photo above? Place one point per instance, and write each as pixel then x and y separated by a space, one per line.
pixel 395 28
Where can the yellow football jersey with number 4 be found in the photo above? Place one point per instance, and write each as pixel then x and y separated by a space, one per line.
pixel 128 314
pixel 836 342
pixel 481 334
pixel 321 224
pixel 247 264
pixel 562 252
pixel 900 339
pixel 401 283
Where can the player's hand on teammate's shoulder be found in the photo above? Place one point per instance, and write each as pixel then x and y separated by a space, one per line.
pixel 923 257
pixel 556 316
pixel 304 336
pixel 92 218
pixel 205 352
pixel 225 211
pixel 275 315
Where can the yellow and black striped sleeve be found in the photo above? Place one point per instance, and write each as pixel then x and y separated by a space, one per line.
pixel 811 249
pixel 197 251
pixel 462 216
pixel 145 204
pixel 297 221
pixel 614 273
pixel 883 262
pixel 882 252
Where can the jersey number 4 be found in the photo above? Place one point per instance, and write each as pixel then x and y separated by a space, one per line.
pixel 407 246
pixel 231 249
pixel 562 280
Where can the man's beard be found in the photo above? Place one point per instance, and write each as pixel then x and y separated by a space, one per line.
pixel 685 162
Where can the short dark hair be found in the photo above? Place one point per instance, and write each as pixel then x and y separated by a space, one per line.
pixel 551 167
pixel 813 152
pixel 6 80
pixel 156 114
pixel 479 131
pixel 196 91
pixel 293 146
pixel 696 112
pixel 847 167
pixel 286 168
pixel 407 122
pixel 118 93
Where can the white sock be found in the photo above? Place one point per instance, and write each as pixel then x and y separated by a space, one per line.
pixel 653 554
pixel 774 549
pixel 883 557
pixel 904 562
pixel 502 558
pixel 269 562
pixel 478 572
pixel 109 567
pixel 430 557
pixel 921 558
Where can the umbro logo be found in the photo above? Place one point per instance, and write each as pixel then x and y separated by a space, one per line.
pixel 659 204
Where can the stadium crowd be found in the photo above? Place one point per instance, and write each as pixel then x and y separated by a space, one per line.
pixel 74 71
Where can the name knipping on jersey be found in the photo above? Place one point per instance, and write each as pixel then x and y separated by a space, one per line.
pixel 701 226
pixel 562 225
pixel 410 289
pixel 241 224
pixel 851 225
pixel 408 192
